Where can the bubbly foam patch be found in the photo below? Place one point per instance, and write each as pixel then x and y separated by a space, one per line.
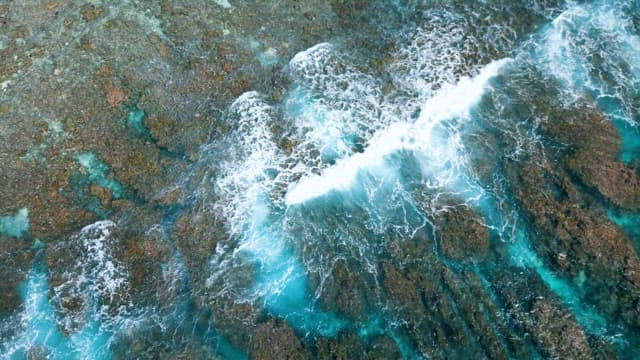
pixel 333 106
pixel 90 303
pixel 249 173
pixel 594 48
pixel 97 279
pixel 451 102
pixel 249 177
pixel 447 47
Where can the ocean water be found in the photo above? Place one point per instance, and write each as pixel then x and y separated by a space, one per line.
pixel 381 204
pixel 16 225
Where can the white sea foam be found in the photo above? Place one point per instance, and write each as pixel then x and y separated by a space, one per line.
pixel 451 102
pixel 99 284
pixel 454 101
pixel 444 49
pixel 247 179
pixel 248 173
pixel 430 60
pixel 333 111
pixel 332 104
pixel 586 46
pixel 96 278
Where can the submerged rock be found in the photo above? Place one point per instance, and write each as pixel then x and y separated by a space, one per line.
pixel 591 243
pixel 615 181
pixel 573 233
pixel 463 236
pixel 553 330
pixel 104 109
pixel 349 347
pixel 15 261
pixel 275 340
pixel 345 290
pixel 88 281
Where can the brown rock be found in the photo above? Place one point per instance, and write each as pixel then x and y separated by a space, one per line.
pixel 584 128
pixel 564 224
pixel 344 289
pixel 115 95
pixel 615 181
pixel 90 12
pixel 539 314
pixel 15 259
pixel 275 340
pixel 105 70
pixel 558 332
pixel 197 235
pixel 345 347
pixel 164 50
pixel 405 287
pixel 462 235
pixel 104 194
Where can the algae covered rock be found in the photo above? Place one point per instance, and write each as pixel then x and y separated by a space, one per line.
pixel 614 180
pixel 15 261
pixel 462 234
pixel 117 135
pixel 88 281
pixel 275 340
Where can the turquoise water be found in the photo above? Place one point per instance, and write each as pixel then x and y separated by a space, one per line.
pixel 281 282
pixel 629 222
pixel 40 329
pixel 136 122
pixel 592 48
pixel 15 225
pixel 630 142
pixel 523 256
pixel 97 172
pixel 357 162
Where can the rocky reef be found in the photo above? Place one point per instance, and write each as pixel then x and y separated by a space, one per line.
pixel 147 152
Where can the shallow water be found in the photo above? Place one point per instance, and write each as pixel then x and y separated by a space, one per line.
pixel 381 204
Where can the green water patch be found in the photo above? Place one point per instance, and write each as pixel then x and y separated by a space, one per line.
pixel 41 329
pixel 281 279
pixel 15 225
pixel 224 3
pixel 55 127
pixel 35 154
pixel 524 256
pixel 629 131
pixel 96 338
pixel 97 173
